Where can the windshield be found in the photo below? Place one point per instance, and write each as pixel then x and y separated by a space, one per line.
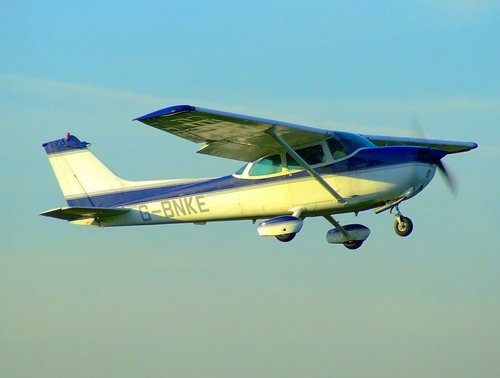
pixel 343 144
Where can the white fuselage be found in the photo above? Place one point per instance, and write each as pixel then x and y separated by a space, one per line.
pixel 363 189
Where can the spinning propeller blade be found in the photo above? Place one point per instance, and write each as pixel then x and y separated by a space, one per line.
pixel 447 176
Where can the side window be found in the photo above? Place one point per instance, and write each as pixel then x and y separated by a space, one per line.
pixel 266 166
pixel 312 155
pixel 291 163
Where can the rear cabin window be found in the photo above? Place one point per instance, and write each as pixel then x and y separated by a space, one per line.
pixel 266 166
pixel 312 155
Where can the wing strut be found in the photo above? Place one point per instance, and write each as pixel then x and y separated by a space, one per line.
pixel 303 164
pixel 337 225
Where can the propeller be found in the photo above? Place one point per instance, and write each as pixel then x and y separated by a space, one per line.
pixel 448 178
pixel 445 173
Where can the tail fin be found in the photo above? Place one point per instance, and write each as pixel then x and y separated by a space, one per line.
pixel 79 172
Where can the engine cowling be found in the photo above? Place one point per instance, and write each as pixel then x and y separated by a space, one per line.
pixel 282 225
pixel 356 232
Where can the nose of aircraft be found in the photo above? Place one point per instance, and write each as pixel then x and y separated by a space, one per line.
pixel 430 155
pixel 433 156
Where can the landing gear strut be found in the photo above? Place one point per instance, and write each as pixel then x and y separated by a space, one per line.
pixel 403 225
pixel 351 236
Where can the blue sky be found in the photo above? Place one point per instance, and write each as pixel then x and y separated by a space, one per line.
pixel 217 300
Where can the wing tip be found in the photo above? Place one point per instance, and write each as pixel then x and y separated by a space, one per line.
pixel 168 111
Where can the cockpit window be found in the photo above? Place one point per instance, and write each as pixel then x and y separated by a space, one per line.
pixel 337 148
pixel 311 155
pixel 266 166
pixel 343 144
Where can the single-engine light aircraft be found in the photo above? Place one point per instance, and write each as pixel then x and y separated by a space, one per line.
pixel 291 172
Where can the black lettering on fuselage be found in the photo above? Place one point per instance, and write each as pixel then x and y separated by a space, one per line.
pixel 188 201
pixel 201 204
pixel 143 210
pixel 167 208
pixel 177 207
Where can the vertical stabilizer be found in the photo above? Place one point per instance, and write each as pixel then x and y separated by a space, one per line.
pixel 78 171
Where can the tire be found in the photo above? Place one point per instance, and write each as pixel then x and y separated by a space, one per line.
pixel 353 244
pixel 285 237
pixel 403 226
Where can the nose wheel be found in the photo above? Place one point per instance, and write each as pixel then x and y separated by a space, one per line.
pixel 403 225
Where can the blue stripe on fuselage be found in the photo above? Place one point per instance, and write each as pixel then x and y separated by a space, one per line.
pixel 364 159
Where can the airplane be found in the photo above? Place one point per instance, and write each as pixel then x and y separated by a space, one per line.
pixel 291 172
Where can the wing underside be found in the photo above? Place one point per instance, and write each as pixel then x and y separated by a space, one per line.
pixel 229 135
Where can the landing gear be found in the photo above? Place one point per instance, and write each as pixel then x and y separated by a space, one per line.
pixel 403 225
pixel 286 237
pixel 353 244
pixel 351 236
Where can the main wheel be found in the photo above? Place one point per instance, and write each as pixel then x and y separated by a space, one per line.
pixel 353 244
pixel 403 226
pixel 285 237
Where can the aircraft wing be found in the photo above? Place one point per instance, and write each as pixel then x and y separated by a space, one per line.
pixel 76 213
pixel 446 145
pixel 229 135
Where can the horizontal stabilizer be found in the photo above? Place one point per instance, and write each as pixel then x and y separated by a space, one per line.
pixel 76 213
